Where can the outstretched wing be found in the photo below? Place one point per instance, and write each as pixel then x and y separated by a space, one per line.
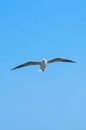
pixel 60 60
pixel 27 64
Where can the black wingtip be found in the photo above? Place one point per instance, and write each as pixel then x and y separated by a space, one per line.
pixel 12 69
pixel 74 62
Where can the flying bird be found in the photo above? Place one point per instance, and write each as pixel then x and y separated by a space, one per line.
pixel 43 63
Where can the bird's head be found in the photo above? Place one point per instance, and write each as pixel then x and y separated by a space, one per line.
pixel 43 59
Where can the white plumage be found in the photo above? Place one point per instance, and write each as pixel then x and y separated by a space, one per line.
pixel 43 63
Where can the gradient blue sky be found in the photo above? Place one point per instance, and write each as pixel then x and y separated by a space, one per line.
pixel 55 99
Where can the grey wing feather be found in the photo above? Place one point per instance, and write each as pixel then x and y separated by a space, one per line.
pixel 60 60
pixel 27 64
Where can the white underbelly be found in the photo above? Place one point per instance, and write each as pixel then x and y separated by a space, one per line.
pixel 43 65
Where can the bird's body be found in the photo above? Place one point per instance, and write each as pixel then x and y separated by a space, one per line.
pixel 43 63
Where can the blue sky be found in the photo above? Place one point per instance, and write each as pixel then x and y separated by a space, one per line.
pixel 32 30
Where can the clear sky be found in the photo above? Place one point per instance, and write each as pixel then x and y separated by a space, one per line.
pixel 50 100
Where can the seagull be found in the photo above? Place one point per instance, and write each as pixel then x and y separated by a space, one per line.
pixel 43 63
